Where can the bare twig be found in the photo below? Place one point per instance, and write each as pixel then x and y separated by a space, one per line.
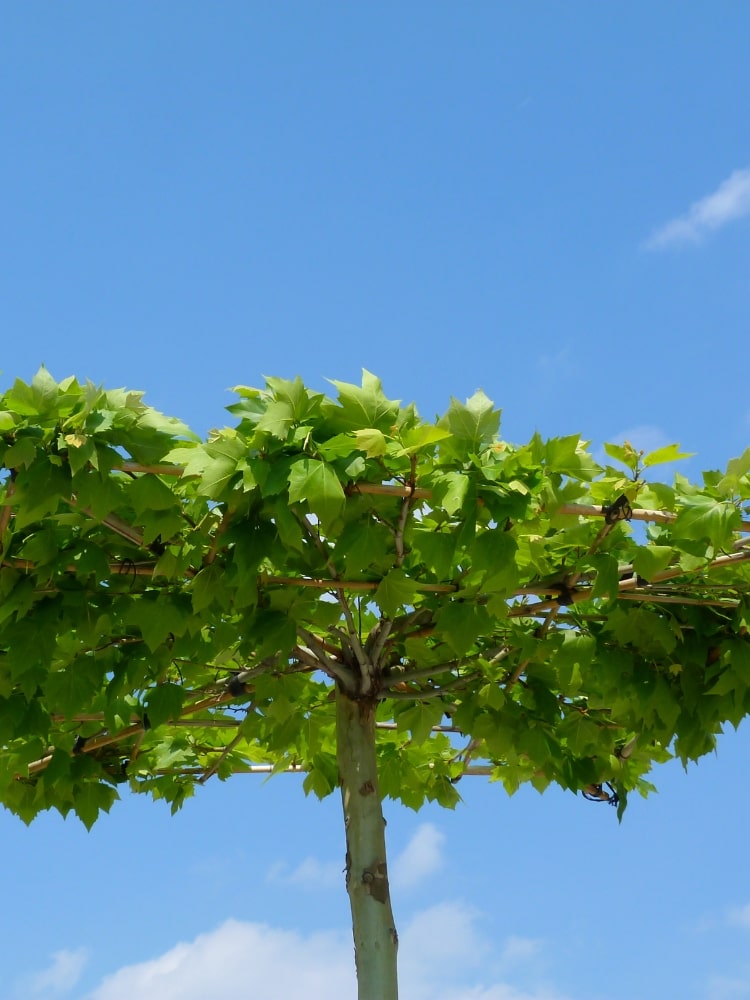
pixel 408 676
pixel 515 676
pixel 211 771
pixel 114 523
pixel 465 755
pixel 420 694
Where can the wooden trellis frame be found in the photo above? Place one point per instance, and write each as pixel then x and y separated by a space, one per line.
pixel 551 599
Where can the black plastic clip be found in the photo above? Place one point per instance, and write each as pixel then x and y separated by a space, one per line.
pixel 620 510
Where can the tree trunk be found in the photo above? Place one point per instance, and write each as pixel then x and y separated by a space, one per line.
pixel 375 938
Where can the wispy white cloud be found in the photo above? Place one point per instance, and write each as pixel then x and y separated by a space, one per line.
pixel 421 857
pixel 730 201
pixel 558 363
pixel 739 916
pixel 443 955
pixel 440 938
pixel 60 976
pixel 519 949
pixel 728 988
pixel 312 873
pixel 643 437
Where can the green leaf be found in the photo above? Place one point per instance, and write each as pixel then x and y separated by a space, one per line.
pixel 624 453
pixel 316 484
pixel 449 491
pixel 44 389
pixel 423 436
pixel 733 481
pixel 395 592
pixel 607 580
pixel 461 623
pixel 568 456
pixel 81 452
pixel 22 453
pixel 274 633
pixel 148 493
pixel 288 526
pixel 277 420
pixel 318 782
pixel 208 587
pixel 420 718
pixel 364 545
pixel 670 453
pixel 158 617
pixel 69 688
pixel 371 441
pixel 652 559
pixel 365 407
pixel 164 703
pixel 437 550
pixel 90 799
pixel 736 652
pixel 214 463
pixel 646 630
pixel 703 517
pixel 665 703
pixel 572 659
pixel 471 425
pixel 493 553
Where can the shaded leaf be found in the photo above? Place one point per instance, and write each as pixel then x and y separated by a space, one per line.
pixel 396 591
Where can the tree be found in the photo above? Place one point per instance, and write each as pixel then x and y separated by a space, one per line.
pixel 339 587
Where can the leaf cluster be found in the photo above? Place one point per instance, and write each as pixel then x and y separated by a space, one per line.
pixel 174 609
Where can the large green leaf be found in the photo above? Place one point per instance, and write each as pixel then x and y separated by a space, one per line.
pixel 315 484
pixel 472 425
pixel 396 591
pixel 364 406
pixel 703 517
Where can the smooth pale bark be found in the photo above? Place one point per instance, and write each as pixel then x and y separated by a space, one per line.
pixel 375 938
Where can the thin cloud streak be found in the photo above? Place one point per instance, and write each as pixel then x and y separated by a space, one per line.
pixel 421 857
pixel 739 916
pixel 60 976
pixel 730 201
pixel 309 874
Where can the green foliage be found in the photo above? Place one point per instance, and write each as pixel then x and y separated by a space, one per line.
pixel 173 609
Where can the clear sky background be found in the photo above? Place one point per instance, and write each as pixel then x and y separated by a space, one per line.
pixel 550 201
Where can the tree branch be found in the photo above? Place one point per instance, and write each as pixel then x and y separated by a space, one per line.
pixel 321 659
pixel 211 771
pixel 365 665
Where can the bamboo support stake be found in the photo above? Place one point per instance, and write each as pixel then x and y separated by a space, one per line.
pixel 421 493
pixel 135 468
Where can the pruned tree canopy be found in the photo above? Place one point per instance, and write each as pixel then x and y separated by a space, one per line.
pixel 173 609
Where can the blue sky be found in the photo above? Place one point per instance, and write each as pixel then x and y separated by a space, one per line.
pixel 549 201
